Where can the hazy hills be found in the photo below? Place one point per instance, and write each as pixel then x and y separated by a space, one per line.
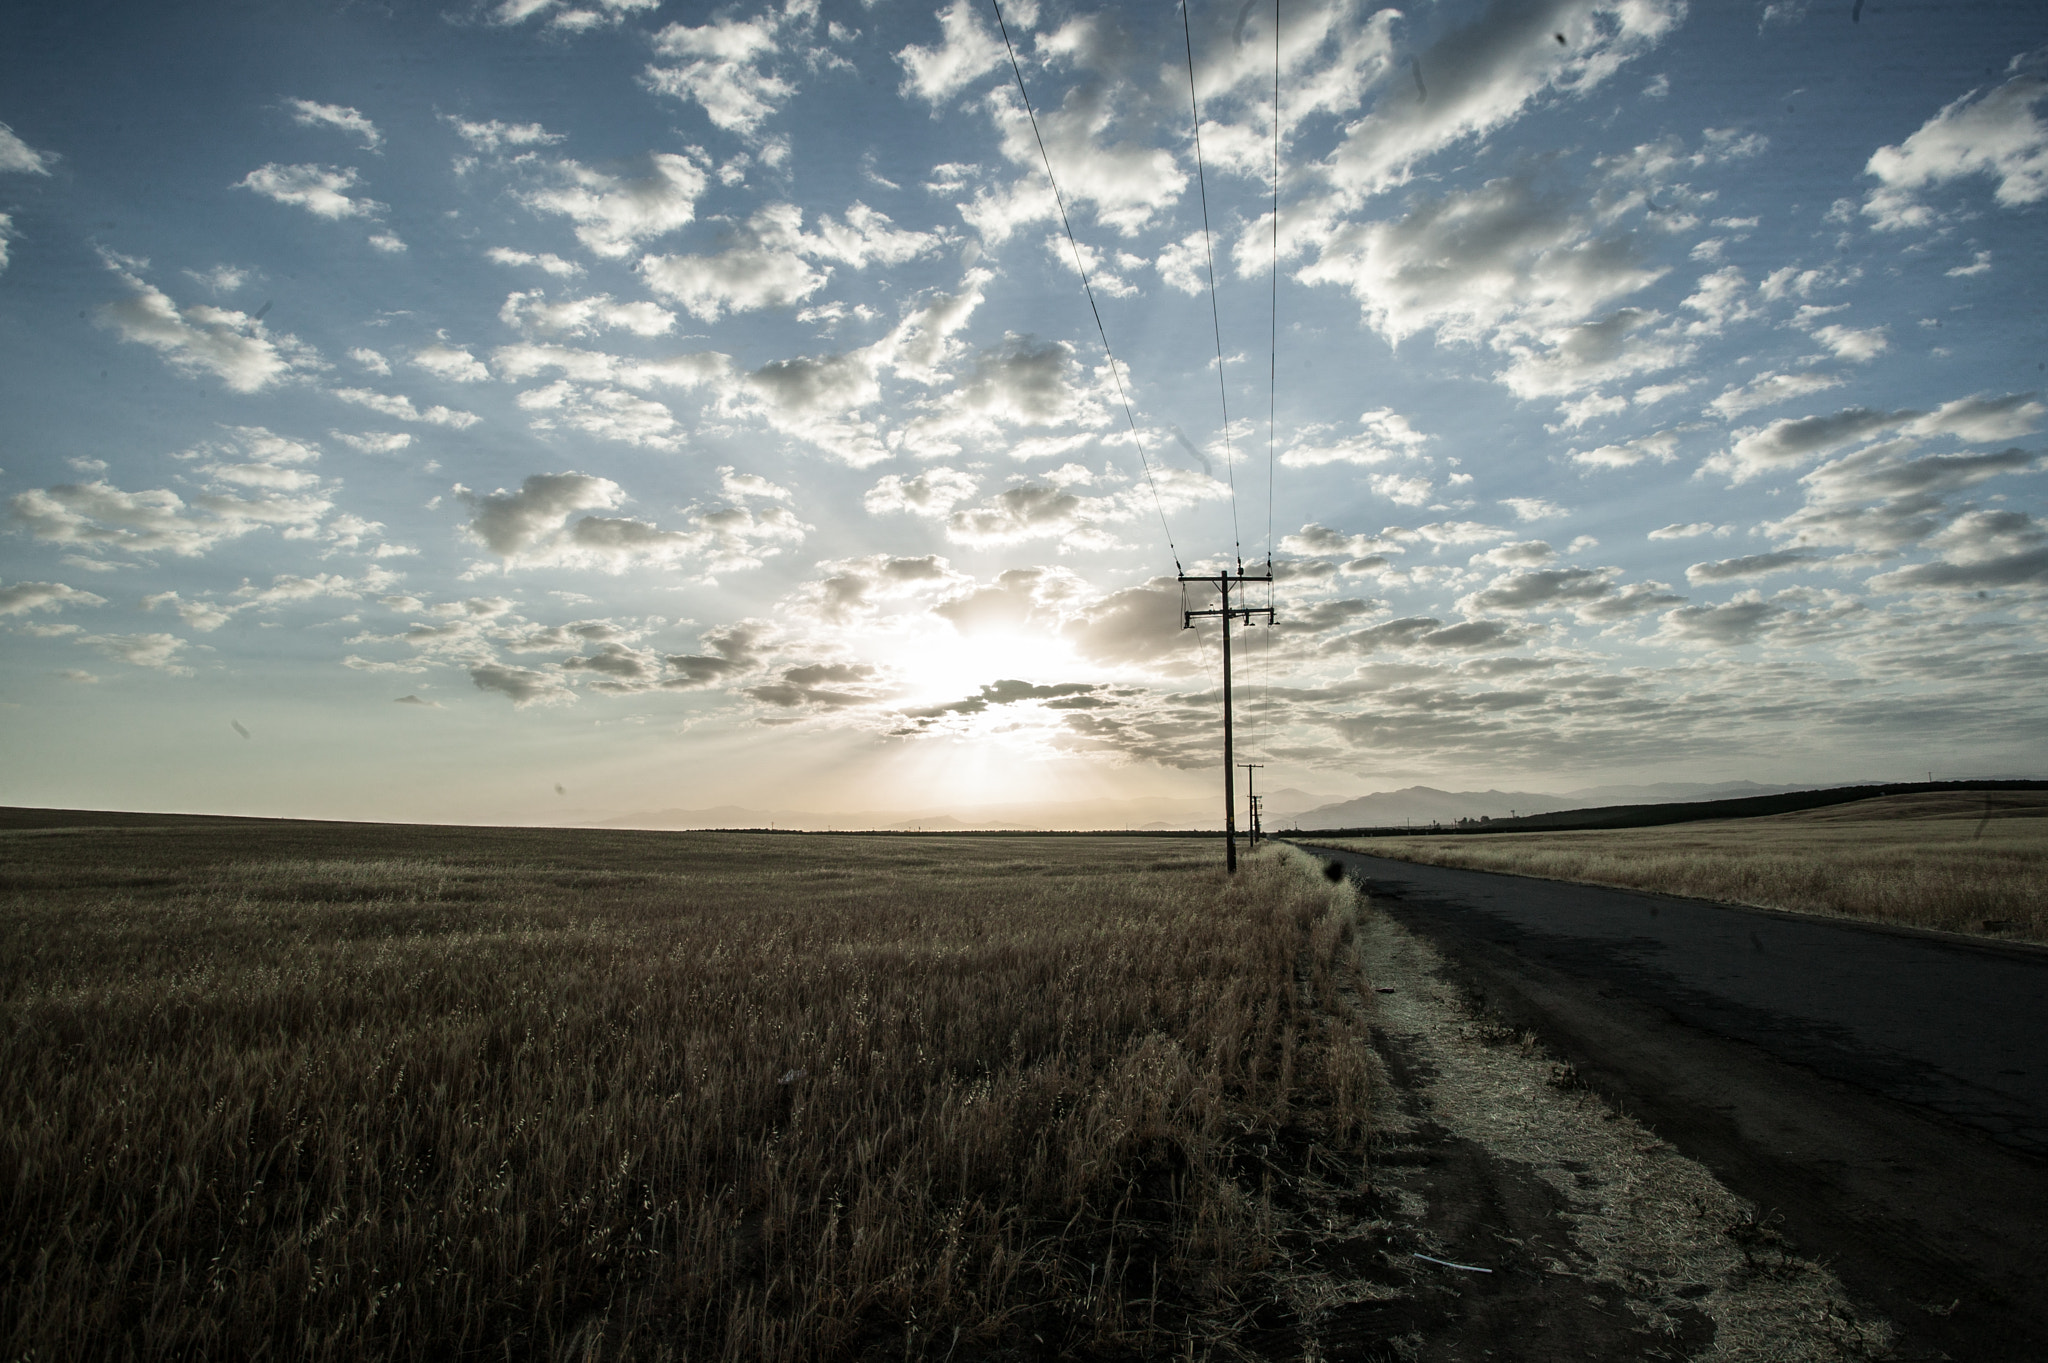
pixel 1286 808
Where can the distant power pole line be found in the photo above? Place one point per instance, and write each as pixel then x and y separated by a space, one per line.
pixel 1251 796
pixel 1223 582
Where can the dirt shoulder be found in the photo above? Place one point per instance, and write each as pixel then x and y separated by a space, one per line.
pixel 1822 1220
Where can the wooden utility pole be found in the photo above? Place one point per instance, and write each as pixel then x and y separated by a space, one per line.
pixel 1251 796
pixel 1223 582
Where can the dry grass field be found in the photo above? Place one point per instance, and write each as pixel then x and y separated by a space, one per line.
pixel 351 1092
pixel 1964 861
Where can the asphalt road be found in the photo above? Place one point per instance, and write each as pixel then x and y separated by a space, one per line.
pixel 1884 1091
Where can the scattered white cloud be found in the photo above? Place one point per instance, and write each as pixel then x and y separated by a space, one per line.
pixel 311 114
pixel 19 158
pixel 1690 530
pixel 1791 441
pixel 571 316
pixel 400 408
pixel 967 50
pixel 451 363
pixel 1747 566
pixel 1849 343
pixel 320 190
pixel 495 135
pixel 1661 446
pixel 552 264
pixel 256 482
pixel 1981 264
pixel 648 197
pixel 1996 134
pixel 23 597
pixel 724 68
pixel 158 651
pixel 1384 434
pixel 233 346
pixel 1768 389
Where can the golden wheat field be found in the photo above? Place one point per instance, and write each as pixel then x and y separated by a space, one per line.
pixel 1963 861
pixel 345 1092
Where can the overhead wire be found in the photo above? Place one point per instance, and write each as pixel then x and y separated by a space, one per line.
pixel 1081 266
pixel 1273 330
pixel 1272 365
pixel 1215 309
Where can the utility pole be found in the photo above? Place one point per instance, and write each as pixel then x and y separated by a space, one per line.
pixel 1223 582
pixel 1251 796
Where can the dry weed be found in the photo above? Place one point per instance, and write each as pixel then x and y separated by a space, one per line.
pixel 341 1093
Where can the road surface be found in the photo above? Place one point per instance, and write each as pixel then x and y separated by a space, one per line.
pixel 1885 1091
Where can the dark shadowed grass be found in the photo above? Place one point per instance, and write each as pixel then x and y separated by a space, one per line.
pixel 348 1092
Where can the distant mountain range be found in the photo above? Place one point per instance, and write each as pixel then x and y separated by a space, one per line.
pixel 1423 805
pixel 1285 808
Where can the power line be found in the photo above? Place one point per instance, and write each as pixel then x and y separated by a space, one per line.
pixel 1273 334
pixel 1081 266
pixel 1215 311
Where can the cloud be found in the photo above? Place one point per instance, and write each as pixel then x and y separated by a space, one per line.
pixel 1541 589
pixel 532 526
pixel 1031 511
pixel 308 114
pixel 1659 445
pixel 1982 550
pixel 688 371
pixel 552 264
pixel 1794 440
pixel 1742 621
pixel 452 363
pixel 159 651
pixel 934 492
pixel 509 523
pixel 232 346
pixel 100 516
pixel 740 279
pixel 494 135
pixel 400 408
pixel 1747 566
pixel 1386 434
pixel 23 597
pixel 723 70
pixel 570 18
pixel 17 157
pixel 536 312
pixel 649 197
pixel 1469 263
pixel 1482 75
pixel 1693 530
pixel 966 51
pixel 1848 343
pixel 375 442
pixel 1996 135
pixel 1532 508
pixel 1768 389
pixel 1590 354
pixel 767 264
pixel 415 700
pixel 1319 541
pixel 1526 554
pixel 1981 418
pixel 320 190
pixel 523 685
pixel 1424 632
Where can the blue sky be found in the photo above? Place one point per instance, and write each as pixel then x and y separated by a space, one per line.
pixel 529 410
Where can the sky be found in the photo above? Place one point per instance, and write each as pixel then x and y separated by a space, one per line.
pixel 557 410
